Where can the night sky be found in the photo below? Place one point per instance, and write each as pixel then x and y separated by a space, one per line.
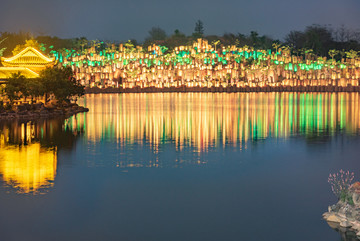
pixel 128 19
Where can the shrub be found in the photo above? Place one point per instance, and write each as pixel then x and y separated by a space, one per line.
pixel 340 183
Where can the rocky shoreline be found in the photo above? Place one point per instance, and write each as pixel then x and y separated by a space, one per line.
pixel 344 216
pixel 41 111
pixel 330 88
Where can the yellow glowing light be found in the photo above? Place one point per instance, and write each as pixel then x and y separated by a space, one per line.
pixel 6 72
pixel 200 128
pixel 28 168
pixel 29 58
pixel 29 52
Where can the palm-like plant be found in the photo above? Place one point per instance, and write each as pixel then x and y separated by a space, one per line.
pixel 2 49
pixel 352 54
pixel 333 53
pixel 129 47
pixel 286 50
pixel 276 46
pixel 215 43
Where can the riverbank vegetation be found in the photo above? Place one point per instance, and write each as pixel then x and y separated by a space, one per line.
pixel 51 93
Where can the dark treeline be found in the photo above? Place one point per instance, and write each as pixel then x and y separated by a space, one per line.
pixel 57 81
pixel 319 39
pixel 9 42
pixel 322 39
pixel 316 39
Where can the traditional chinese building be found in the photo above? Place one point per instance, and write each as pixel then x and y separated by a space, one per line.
pixel 29 62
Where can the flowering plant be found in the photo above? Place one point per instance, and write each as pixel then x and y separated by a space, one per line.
pixel 340 183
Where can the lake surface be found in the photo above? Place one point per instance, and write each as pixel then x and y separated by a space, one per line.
pixel 179 166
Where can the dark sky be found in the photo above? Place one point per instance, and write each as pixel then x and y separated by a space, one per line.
pixel 126 19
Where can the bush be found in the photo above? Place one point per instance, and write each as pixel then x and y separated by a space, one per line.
pixel 340 183
pixel 346 197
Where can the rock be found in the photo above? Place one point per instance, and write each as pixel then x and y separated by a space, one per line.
pixel 72 104
pixel 38 106
pixel 53 102
pixel 356 198
pixel 326 215
pixel 65 103
pixel 27 106
pixel 355 187
pixel 20 108
pixel 333 218
pixel 345 224
pixel 22 113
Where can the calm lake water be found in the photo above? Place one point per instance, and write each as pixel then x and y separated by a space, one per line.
pixel 179 166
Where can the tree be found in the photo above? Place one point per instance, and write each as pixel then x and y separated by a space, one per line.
pixel 176 39
pixel 13 39
pixel 199 29
pixel 129 47
pixel 276 46
pixel 81 43
pixel 215 43
pixel 28 43
pixel 352 54
pixel 13 87
pixel 156 33
pixel 332 53
pixel 308 53
pixel 254 38
pixel 2 49
pixel 318 38
pixel 34 88
pixel 60 82
pixel 286 50
pixel 296 39
pixel 342 53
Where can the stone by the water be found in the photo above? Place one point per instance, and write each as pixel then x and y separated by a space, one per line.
pixel 345 224
pixel 333 218
pixel 40 110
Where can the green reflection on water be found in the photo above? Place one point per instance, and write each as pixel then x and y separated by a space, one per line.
pixel 197 122
pixel 203 120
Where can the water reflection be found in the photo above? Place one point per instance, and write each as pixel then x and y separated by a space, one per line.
pixel 28 168
pixel 28 153
pixel 130 130
pixel 237 149
pixel 205 120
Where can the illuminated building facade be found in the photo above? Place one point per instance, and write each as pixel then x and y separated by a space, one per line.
pixel 29 62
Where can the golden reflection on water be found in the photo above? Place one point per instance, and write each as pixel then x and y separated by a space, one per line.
pixel 28 168
pixel 25 164
pixel 203 120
